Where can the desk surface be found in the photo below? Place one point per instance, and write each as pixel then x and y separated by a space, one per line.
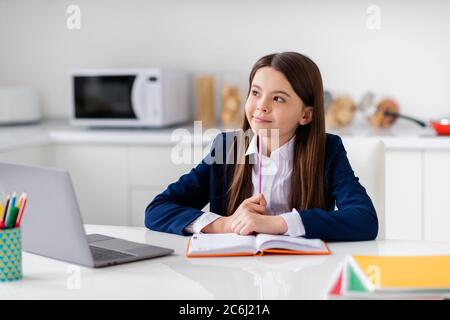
pixel 177 277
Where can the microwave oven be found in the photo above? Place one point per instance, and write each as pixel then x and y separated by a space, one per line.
pixel 129 97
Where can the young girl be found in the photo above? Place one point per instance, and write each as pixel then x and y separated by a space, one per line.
pixel 308 170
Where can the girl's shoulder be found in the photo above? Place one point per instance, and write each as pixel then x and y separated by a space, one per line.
pixel 222 146
pixel 332 141
pixel 333 145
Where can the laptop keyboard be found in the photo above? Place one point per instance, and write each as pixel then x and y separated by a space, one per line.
pixel 101 254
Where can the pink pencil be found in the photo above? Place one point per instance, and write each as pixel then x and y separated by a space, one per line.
pixel 19 217
pixel 259 164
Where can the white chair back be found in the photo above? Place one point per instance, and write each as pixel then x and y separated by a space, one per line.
pixel 367 158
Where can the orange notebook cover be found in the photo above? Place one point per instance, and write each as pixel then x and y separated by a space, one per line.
pixel 232 245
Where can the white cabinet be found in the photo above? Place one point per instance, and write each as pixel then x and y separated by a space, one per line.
pixel 152 169
pixel 417 195
pixel 436 195
pixel 139 200
pixel 403 194
pixel 40 155
pixel 155 166
pixel 113 183
pixel 100 177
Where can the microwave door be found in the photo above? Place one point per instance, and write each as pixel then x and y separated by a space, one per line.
pixel 138 98
pixel 104 97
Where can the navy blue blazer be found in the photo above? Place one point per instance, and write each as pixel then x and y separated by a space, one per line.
pixel 182 201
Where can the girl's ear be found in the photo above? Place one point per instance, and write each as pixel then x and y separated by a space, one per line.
pixel 306 116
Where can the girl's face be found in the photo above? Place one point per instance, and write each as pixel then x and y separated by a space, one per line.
pixel 273 104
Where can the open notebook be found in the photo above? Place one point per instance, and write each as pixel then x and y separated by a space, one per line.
pixel 230 244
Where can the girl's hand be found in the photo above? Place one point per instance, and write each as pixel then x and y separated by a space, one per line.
pixel 249 209
pixel 251 217
pixel 251 223
pixel 253 205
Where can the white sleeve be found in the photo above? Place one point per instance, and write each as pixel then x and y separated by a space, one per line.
pixel 198 224
pixel 294 223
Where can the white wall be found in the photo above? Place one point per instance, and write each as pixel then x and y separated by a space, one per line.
pixel 408 58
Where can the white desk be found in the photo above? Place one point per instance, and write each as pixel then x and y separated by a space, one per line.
pixel 177 277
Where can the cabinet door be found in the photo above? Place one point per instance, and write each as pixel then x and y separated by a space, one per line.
pixel 36 155
pixel 158 166
pixel 140 198
pixel 99 175
pixel 404 195
pixel 436 195
pixel 152 169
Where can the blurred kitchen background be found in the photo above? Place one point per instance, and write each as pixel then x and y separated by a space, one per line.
pixel 374 57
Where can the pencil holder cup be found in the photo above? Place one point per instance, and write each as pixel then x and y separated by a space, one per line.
pixel 10 254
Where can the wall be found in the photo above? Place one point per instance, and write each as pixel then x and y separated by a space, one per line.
pixel 407 58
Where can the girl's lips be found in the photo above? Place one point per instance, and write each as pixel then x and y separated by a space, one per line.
pixel 260 120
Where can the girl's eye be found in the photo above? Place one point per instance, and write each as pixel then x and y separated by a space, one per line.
pixel 254 92
pixel 278 99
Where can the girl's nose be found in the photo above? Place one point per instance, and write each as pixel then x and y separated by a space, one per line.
pixel 262 108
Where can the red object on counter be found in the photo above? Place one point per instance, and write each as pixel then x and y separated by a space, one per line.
pixel 441 128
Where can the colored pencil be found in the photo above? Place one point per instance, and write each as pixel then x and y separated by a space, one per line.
pixel 20 215
pixel 5 211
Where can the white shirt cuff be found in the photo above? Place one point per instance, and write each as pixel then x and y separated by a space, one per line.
pixel 198 224
pixel 294 223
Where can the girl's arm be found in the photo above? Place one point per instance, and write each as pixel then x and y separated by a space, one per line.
pixel 355 219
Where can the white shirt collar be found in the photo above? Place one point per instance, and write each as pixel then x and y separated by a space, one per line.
pixel 286 151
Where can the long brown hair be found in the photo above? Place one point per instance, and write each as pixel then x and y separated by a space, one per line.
pixel 307 180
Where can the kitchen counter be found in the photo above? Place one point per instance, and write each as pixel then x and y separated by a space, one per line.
pixel 61 132
pixel 401 136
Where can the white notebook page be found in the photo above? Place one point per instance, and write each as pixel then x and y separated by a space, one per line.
pixel 265 241
pixel 216 241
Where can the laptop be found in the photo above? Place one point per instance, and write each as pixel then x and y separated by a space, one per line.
pixel 52 225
